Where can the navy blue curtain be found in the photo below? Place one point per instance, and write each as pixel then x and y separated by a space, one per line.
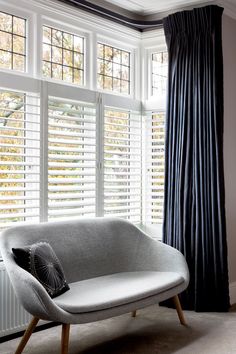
pixel 194 203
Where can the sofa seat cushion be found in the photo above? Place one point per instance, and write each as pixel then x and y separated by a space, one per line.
pixel 115 289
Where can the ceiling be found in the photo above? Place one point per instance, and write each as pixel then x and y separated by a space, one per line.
pixel 148 7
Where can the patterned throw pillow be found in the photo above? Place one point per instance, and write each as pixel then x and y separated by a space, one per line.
pixel 40 260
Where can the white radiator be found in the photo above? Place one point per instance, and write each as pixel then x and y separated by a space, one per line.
pixel 13 318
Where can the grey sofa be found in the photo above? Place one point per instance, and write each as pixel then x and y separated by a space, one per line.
pixel 111 266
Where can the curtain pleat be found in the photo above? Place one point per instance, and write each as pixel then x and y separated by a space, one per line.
pixel 194 202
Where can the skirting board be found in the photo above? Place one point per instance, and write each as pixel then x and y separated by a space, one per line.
pixel 232 292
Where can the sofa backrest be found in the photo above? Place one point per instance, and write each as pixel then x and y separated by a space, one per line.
pixel 86 248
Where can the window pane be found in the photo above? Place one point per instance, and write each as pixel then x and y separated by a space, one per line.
pixel 159 73
pixel 57 38
pixel 18 62
pixel 68 57
pixel 47 35
pixel 12 42
pixel 19 26
pixel 113 63
pixel 18 44
pixel 5 22
pixel 65 53
pixel 6 41
pixel 5 60
pixel 57 71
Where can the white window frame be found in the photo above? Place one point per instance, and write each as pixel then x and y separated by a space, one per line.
pixel 30 18
pixel 134 53
pixel 72 20
pixel 74 31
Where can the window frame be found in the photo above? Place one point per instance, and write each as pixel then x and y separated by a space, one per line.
pixel 85 25
pixel 29 16
pixel 133 65
pixel 64 27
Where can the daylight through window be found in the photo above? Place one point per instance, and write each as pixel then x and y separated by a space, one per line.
pixel 113 69
pixel 12 42
pixel 63 56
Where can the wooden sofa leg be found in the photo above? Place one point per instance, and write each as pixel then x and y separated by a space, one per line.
pixel 134 313
pixel 27 335
pixel 65 338
pixel 179 310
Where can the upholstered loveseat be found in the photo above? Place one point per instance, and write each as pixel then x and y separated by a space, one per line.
pixel 111 266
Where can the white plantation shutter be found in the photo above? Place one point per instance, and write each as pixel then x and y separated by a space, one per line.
pixel 154 174
pixel 122 164
pixel 71 159
pixel 19 158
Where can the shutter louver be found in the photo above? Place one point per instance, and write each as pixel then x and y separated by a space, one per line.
pixel 19 158
pixel 71 159
pixel 155 144
pixel 122 164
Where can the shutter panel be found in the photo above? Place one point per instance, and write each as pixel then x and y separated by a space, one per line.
pixel 19 158
pixel 155 144
pixel 122 164
pixel 71 159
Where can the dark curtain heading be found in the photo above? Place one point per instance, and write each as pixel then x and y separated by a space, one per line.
pixel 194 204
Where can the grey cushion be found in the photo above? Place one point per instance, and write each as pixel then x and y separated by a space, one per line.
pixel 115 289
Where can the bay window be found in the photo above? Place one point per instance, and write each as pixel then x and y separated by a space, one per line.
pixel 70 150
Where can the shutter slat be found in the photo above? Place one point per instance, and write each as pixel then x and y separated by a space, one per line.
pixel 68 171
pixel 122 158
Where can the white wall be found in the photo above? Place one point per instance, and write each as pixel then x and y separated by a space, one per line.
pixel 229 52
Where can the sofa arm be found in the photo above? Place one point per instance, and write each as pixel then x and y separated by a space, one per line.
pixel 32 294
pixel 149 254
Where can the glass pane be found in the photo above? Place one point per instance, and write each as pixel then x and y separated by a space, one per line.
pixel 5 60
pixel 67 74
pixel 46 52
pixel 57 37
pixel 57 71
pixel 125 73
pixel 125 58
pixel 100 82
pixel 18 62
pixel 101 66
pixel 125 85
pixel 6 41
pixel 47 35
pixel 18 44
pixel 67 57
pixel 19 26
pixel 117 71
pixel 107 83
pixel 67 41
pixel 116 85
pixel 78 77
pixel 78 44
pixel 100 50
pixel 108 53
pixel 78 60
pixel 46 69
pixel 57 55
pixel 116 55
pixel 107 66
pixel 5 22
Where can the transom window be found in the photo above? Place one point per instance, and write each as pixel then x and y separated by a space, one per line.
pixel 12 42
pixel 113 72
pixel 63 56
pixel 159 72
